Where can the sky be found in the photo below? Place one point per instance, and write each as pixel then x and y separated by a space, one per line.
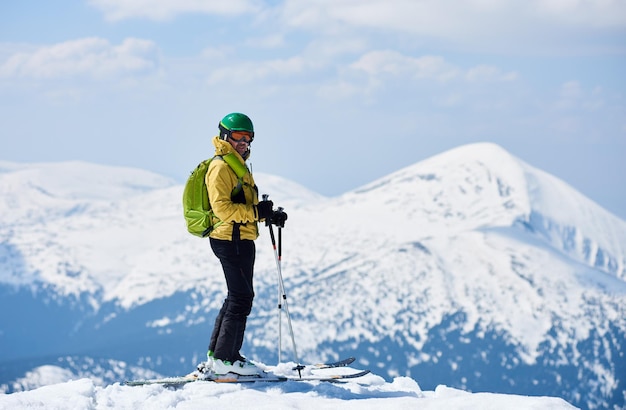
pixel 341 92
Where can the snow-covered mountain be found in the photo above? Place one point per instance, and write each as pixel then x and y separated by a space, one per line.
pixel 471 269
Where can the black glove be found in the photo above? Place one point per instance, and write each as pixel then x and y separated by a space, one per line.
pixel 264 209
pixel 279 217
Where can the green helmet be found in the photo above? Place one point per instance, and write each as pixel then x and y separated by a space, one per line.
pixel 235 122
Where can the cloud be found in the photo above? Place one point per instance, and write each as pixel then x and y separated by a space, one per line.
pixel 449 18
pixel 320 57
pixel 574 98
pixel 507 26
pixel 115 10
pixel 345 70
pixel 489 73
pixel 248 72
pixel 92 58
pixel 434 16
pixel 393 63
pixel 582 13
pixel 267 42
pixel 390 63
pixel 375 74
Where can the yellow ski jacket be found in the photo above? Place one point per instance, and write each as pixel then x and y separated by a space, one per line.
pixel 221 180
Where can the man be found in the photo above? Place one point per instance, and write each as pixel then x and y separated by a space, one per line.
pixel 235 202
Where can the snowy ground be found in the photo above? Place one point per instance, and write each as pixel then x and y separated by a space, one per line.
pixel 368 392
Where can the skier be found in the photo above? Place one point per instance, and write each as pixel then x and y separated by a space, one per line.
pixel 235 202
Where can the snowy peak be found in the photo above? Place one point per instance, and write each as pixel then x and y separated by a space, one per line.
pixel 465 188
pixel 80 180
pixel 31 193
pixel 574 224
pixel 481 186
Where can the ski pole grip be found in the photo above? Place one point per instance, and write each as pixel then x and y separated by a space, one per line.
pixel 268 220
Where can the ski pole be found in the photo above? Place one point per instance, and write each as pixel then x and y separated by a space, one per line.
pixel 282 297
pixel 298 367
pixel 278 257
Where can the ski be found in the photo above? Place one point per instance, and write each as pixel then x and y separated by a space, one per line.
pixel 340 363
pixel 193 378
pixel 331 378
pixel 234 378
pixel 166 381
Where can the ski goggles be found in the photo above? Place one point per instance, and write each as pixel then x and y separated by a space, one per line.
pixel 240 136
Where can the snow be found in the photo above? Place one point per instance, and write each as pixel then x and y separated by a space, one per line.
pixel 81 180
pixel 370 392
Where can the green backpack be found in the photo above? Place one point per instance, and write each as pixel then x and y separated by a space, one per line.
pixel 200 218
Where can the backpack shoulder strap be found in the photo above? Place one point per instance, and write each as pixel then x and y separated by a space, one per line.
pixel 238 168
pixel 231 159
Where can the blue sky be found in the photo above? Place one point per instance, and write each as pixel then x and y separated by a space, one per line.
pixel 341 92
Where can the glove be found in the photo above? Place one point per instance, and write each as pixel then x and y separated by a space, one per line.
pixel 279 217
pixel 264 209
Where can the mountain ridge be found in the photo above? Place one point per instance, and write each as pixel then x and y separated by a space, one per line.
pixel 439 267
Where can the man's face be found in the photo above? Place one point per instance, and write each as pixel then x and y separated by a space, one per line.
pixel 240 140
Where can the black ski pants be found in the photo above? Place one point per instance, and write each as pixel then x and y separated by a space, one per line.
pixel 237 259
